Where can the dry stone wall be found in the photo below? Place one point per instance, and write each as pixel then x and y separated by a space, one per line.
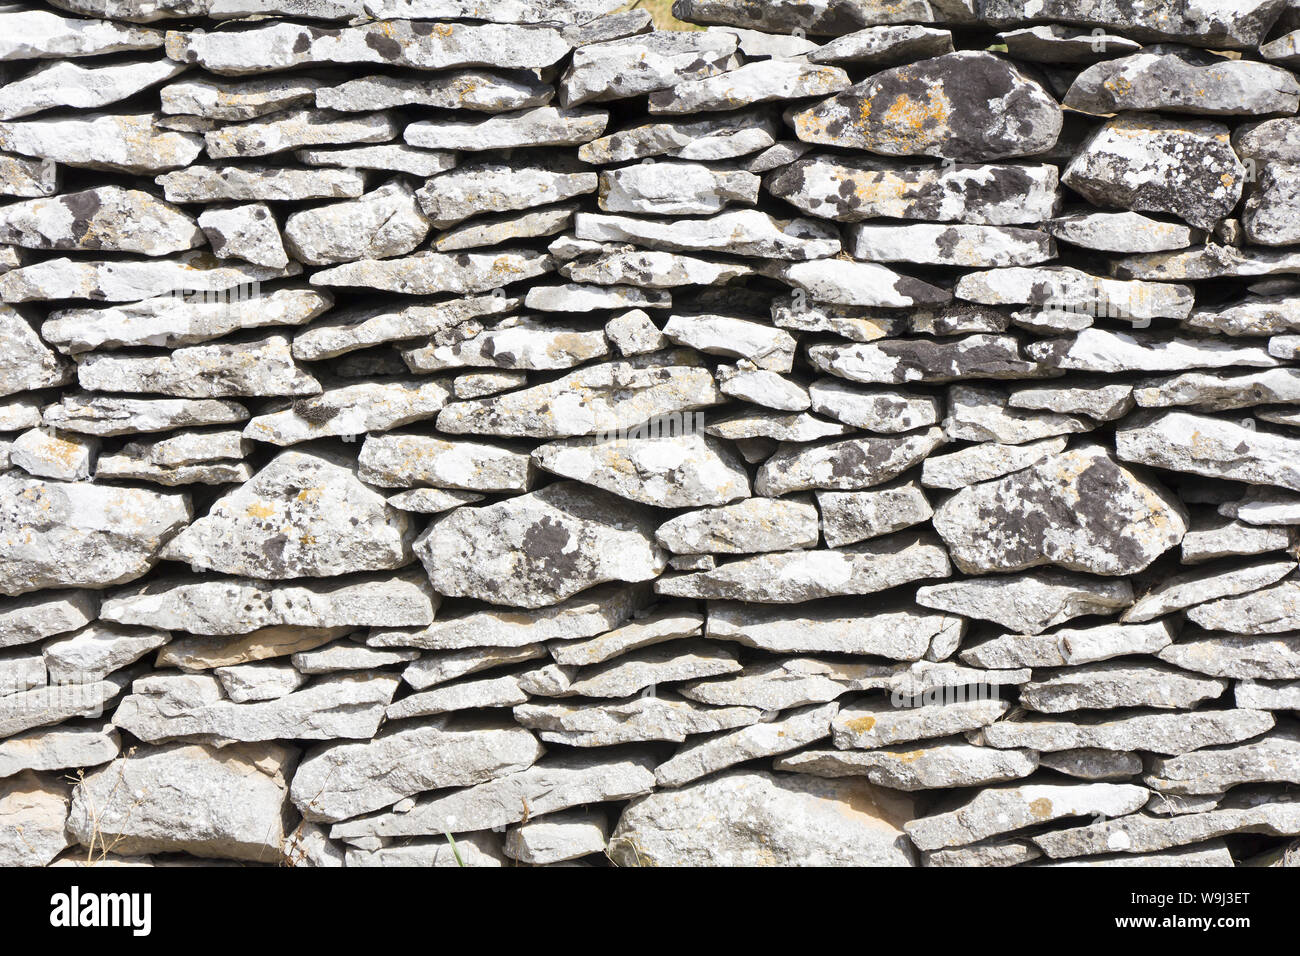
pixel 847 433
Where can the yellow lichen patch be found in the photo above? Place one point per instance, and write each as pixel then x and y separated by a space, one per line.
pixel 860 725
pixel 910 123
pixel 259 509
pixel 907 756
pixel 1041 808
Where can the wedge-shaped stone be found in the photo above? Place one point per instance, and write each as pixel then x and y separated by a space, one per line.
pixel 981 414
pixel 209 653
pixel 667 621
pixel 373 406
pixel 51 704
pixel 129 280
pixel 281 45
pixel 1201 445
pixel 1119 231
pixel 481 90
pixel 1199 22
pixel 979 463
pixel 348 331
pixel 1114 684
pixel 92 220
pixel 1268 610
pixel 1106 352
pixel 1071 645
pixel 462 695
pixel 844 282
pixel 1252 315
pixel 1006 809
pixel 895 361
pixel 756 342
pixel 59 748
pixel 790 682
pixel 253 183
pixel 876 722
pixel 40 34
pixel 874 409
pixel 389 157
pixel 744 232
pixel 590 613
pixel 258 367
pixel 513 343
pixel 1029 603
pixel 553 784
pixel 165 706
pixel 538 549
pixel 493 186
pixel 897 633
pixel 1211 391
pixel 238 100
pixel 1273 758
pixel 762 81
pixel 752 818
pixel 429 273
pixel 662 664
pixel 1197 587
pixel 1223 537
pixel 130 143
pixel 1167 733
pixel 25 620
pixel 347 655
pixel 405 461
pixel 664 716
pixel 1055 44
pixel 482 231
pixel 847 465
pixel 384 223
pixel 541 126
pixel 82 87
pixel 215 606
pixel 683 471
pixel 707 756
pixel 592 400
pixel 1268 695
pixel 1080 510
pixel 337 781
pixel 852 516
pixel 94 652
pixel 1243 656
pixel 790 576
pixel 74 534
pixel 968 106
pixel 955 245
pixel 178 778
pixel 90 414
pixel 852 189
pixel 1148 164
pixel 1067 289
pixel 1184 81
pixel 306 514
pixel 927 767
pixel 725 136
pixel 617 69
pixel 25 361
pixel 753 525
pixel 773 425
pixel 884 45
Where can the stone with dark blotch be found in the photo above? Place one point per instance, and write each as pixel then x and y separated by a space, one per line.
pixel 968 106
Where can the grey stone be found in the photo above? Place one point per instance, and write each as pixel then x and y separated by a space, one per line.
pixel 700 758
pixel 663 716
pixel 749 526
pixel 1029 603
pixel 1113 684
pixel 254 367
pixel 617 69
pixel 927 767
pixel 898 633
pixel 128 143
pixel 489 186
pixel 1201 445
pixel 91 220
pixel 245 232
pixel 759 81
pixel 1072 645
pixel 1168 733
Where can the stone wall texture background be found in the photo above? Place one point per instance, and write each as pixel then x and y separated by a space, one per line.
pixel 505 432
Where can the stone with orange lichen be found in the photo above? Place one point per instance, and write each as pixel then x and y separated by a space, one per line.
pixel 306 514
pixel 616 69
pixel 967 106
pixel 925 767
pixel 1181 80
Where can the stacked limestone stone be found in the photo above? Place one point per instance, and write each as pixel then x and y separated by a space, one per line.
pixel 857 432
